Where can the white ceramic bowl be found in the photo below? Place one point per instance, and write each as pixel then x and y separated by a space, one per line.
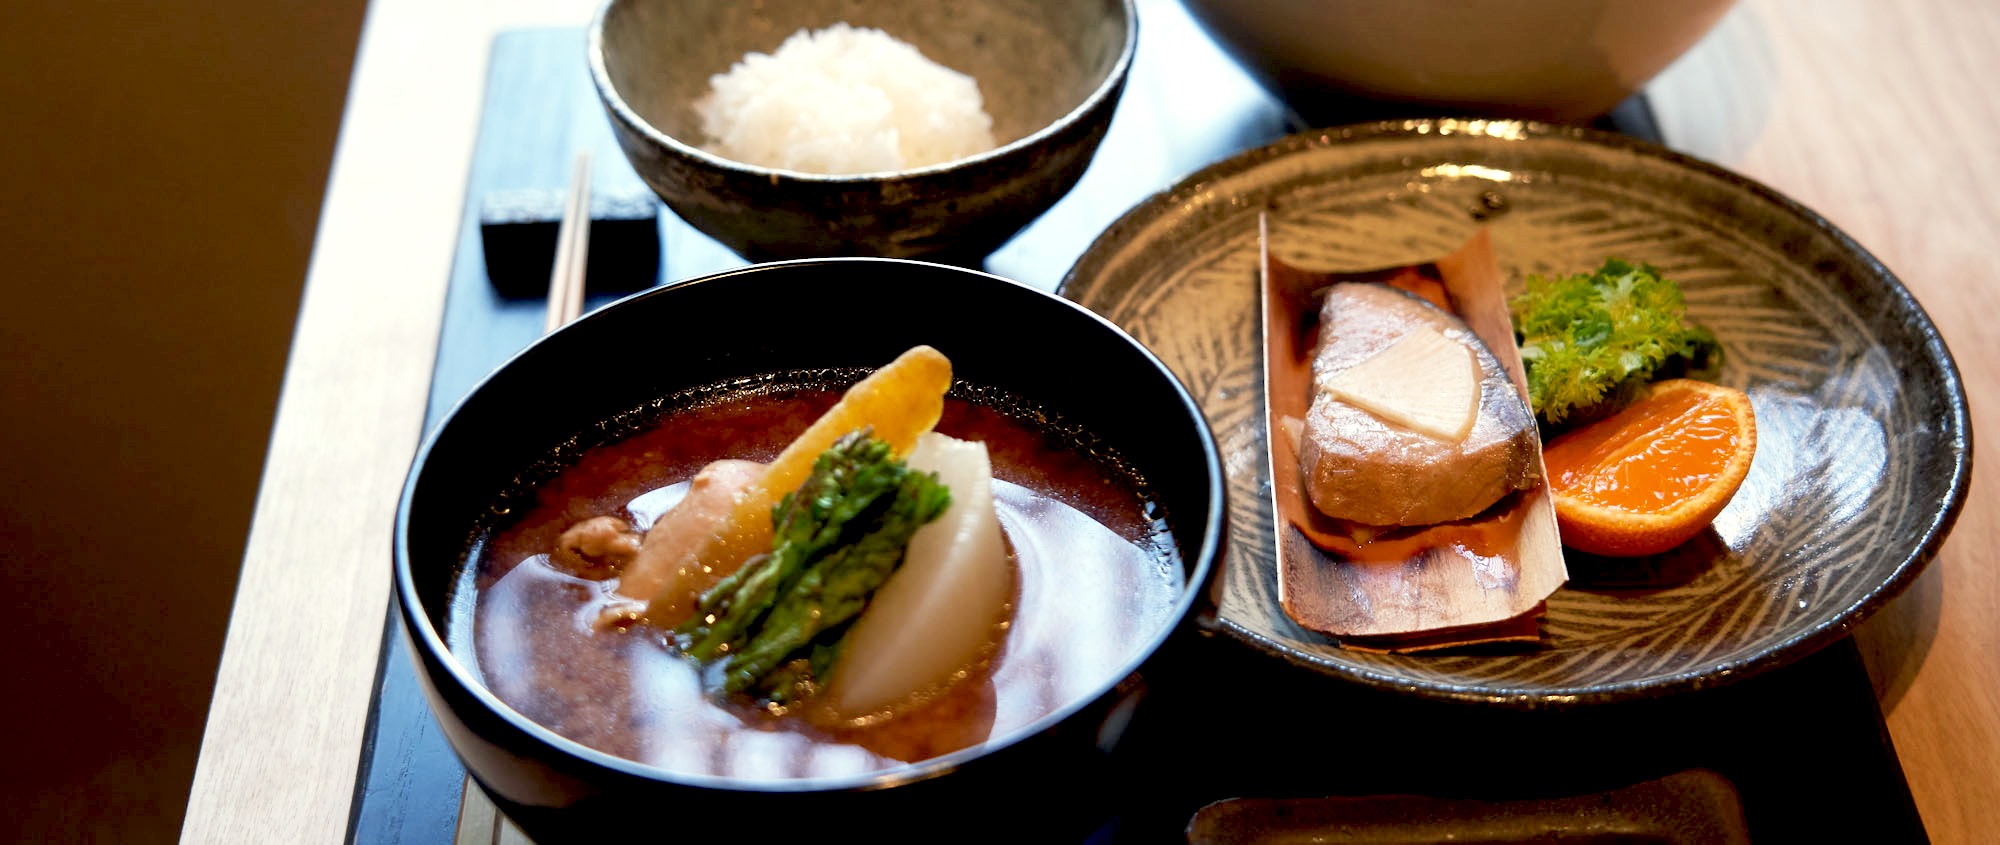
pixel 1562 60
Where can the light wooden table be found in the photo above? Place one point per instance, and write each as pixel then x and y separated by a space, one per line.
pixel 1878 115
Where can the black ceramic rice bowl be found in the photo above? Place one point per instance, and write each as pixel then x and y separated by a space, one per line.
pixel 779 318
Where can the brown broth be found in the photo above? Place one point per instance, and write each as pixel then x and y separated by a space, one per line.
pixel 1096 577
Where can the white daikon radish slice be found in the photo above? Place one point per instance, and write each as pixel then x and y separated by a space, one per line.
pixel 932 617
pixel 1425 382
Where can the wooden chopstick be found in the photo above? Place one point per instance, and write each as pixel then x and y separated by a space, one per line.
pixel 566 280
pixel 479 821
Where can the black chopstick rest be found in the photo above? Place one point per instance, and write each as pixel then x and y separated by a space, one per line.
pixel 517 232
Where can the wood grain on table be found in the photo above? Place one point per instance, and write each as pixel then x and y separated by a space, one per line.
pixel 1877 115
pixel 1882 118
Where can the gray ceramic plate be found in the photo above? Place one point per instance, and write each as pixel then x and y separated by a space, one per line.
pixel 1864 450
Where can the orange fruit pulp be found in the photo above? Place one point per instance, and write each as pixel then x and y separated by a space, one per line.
pixel 1653 475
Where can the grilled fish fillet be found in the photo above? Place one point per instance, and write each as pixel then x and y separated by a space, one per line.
pixel 1360 467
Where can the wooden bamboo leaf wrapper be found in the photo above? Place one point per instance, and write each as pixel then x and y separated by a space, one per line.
pixel 1481 579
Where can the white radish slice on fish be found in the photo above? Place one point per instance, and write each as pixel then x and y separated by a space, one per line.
pixel 936 614
pixel 1425 382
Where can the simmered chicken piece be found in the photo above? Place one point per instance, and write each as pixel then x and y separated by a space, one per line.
pixel 596 548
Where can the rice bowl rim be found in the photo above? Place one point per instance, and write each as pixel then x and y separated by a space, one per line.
pixel 600 76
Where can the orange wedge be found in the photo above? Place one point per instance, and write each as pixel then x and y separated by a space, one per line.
pixel 1653 475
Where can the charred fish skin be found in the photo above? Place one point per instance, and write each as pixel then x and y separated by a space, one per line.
pixel 1362 468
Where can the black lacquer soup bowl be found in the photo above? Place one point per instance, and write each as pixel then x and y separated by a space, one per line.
pixel 1058 366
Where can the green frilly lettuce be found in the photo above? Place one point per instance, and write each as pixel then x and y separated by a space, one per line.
pixel 1592 341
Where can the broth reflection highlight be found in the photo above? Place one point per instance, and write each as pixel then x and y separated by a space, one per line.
pixel 1096 576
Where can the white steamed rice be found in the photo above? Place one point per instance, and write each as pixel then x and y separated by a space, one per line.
pixel 843 100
